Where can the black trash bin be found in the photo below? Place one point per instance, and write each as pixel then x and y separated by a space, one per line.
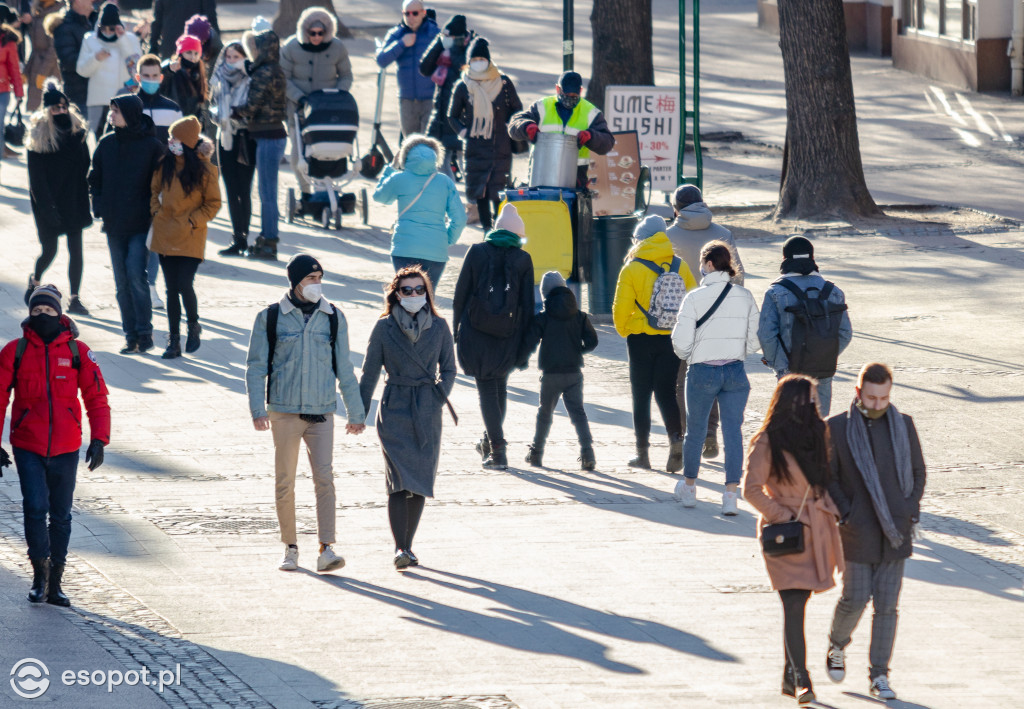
pixel 611 238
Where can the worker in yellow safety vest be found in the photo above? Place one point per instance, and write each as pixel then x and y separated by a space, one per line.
pixel 567 113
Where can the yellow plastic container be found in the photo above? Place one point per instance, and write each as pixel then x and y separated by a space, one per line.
pixel 548 235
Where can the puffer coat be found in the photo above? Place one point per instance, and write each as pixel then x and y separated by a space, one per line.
pixel 488 160
pixel 57 178
pixel 731 331
pixel 309 68
pixel 265 109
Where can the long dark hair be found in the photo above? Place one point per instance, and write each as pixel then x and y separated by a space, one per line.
pixel 794 425
pixel 391 289
pixel 192 172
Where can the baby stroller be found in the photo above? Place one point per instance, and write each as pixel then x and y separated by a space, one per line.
pixel 325 129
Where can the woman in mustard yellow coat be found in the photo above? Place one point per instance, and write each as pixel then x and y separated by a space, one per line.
pixel 786 479
pixel 185 197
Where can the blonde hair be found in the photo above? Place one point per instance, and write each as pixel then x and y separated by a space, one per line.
pixel 42 133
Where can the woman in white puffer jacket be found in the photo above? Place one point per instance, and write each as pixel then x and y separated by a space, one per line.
pixel 714 335
pixel 107 59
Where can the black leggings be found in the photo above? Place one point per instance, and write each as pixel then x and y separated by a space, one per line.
pixel 487 209
pixel 74 252
pixel 653 367
pixel 794 601
pixel 238 184
pixel 404 511
pixel 180 276
pixel 493 395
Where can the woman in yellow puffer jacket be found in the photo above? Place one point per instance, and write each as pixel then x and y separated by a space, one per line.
pixel 653 364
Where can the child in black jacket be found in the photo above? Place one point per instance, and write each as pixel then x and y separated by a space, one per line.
pixel 565 334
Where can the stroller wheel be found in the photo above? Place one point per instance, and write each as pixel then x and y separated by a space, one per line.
pixel 364 206
pixel 290 217
pixel 325 218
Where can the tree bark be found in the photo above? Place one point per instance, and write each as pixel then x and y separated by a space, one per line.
pixel 622 46
pixel 822 175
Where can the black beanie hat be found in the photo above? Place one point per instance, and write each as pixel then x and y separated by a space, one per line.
pixel 456 26
pixel 52 95
pixel 686 195
pixel 797 246
pixel 300 266
pixel 46 295
pixel 109 15
pixel 480 49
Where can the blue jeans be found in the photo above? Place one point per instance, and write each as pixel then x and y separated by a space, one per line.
pixel 129 258
pixel 47 486
pixel 824 393
pixel 269 152
pixel 434 269
pixel 153 267
pixel 704 384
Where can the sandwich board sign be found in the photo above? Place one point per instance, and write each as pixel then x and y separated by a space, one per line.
pixel 655 114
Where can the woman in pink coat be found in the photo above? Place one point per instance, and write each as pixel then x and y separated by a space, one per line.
pixel 786 479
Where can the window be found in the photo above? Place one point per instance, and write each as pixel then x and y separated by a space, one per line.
pixel 949 18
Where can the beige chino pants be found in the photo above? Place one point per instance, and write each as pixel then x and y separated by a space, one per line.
pixel 289 431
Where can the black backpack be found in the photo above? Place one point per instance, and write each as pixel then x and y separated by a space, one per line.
pixel 815 336
pixel 272 312
pixel 494 307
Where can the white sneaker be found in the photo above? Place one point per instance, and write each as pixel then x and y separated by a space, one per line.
pixel 290 561
pixel 154 296
pixel 687 494
pixel 880 688
pixel 729 506
pixel 328 560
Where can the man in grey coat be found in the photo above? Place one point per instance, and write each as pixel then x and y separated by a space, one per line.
pixel 298 349
pixel 878 478
pixel 689 232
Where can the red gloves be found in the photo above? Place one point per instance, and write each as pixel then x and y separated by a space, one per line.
pixel 583 138
pixel 531 132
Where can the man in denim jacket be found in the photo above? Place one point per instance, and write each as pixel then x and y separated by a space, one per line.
pixel 799 267
pixel 299 403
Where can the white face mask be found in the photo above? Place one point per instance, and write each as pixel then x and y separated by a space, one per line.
pixel 479 65
pixel 413 303
pixel 175 147
pixel 239 65
pixel 312 292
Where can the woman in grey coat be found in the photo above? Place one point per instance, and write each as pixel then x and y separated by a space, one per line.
pixel 414 345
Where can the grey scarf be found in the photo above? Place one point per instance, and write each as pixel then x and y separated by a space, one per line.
pixel 413 325
pixel 860 448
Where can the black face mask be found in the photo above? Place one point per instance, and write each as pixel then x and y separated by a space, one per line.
pixel 62 121
pixel 190 65
pixel 46 326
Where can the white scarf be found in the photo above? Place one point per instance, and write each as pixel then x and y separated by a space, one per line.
pixel 483 87
pixel 232 90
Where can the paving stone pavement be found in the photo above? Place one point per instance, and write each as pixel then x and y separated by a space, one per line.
pixel 539 587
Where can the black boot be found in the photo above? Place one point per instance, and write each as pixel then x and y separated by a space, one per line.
pixel 264 249
pixel 39 574
pixel 535 457
pixel 675 456
pixel 54 595
pixel 804 690
pixel 642 460
pixel 483 447
pixel 173 347
pixel 587 459
pixel 788 681
pixel 192 341
pixel 497 460
pixel 237 248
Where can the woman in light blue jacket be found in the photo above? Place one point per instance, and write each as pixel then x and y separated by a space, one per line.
pixel 430 214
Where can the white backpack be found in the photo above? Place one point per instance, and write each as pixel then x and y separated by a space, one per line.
pixel 667 296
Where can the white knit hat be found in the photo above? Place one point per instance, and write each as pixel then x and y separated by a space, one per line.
pixel 510 220
pixel 260 24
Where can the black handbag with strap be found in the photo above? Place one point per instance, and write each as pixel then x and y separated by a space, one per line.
pixel 14 131
pixel 785 537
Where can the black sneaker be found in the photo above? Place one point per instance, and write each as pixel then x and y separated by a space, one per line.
pixel 483 447
pixel 497 460
pixel 145 343
pixel 236 249
pixel 402 560
pixel 835 663
pixel 535 457
pixel 75 307
pixel 413 561
pixel 132 347
pixel 587 460
pixel 192 342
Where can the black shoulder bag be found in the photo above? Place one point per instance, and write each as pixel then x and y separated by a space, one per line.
pixel 786 537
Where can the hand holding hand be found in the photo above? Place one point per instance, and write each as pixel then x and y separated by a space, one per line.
pixel 355 428
pixel 262 423
pixel 583 138
pixel 409 39
pixel 94 454
pixel 531 132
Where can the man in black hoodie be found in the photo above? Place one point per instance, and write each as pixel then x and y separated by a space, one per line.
pixel 565 334
pixel 67 31
pixel 122 171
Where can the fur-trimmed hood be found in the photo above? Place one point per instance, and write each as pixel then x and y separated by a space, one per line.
pixel 312 15
pixel 10 34
pixel 262 48
pixel 415 140
pixel 52 22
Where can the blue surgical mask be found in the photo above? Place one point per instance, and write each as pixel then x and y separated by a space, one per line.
pixel 150 87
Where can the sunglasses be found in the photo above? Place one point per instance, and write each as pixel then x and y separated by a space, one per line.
pixel 412 290
pixel 316 33
pixel 412 13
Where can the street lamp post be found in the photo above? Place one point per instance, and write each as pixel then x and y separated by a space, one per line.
pixel 567 35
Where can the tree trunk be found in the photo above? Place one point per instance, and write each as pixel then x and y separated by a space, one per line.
pixel 822 175
pixel 622 46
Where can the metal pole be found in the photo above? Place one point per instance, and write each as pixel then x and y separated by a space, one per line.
pixel 680 158
pixel 567 35
pixel 698 158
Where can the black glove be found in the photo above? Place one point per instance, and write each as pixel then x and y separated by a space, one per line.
pixel 94 454
pixel 5 461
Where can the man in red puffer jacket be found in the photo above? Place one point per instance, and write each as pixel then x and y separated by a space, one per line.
pixel 45 369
